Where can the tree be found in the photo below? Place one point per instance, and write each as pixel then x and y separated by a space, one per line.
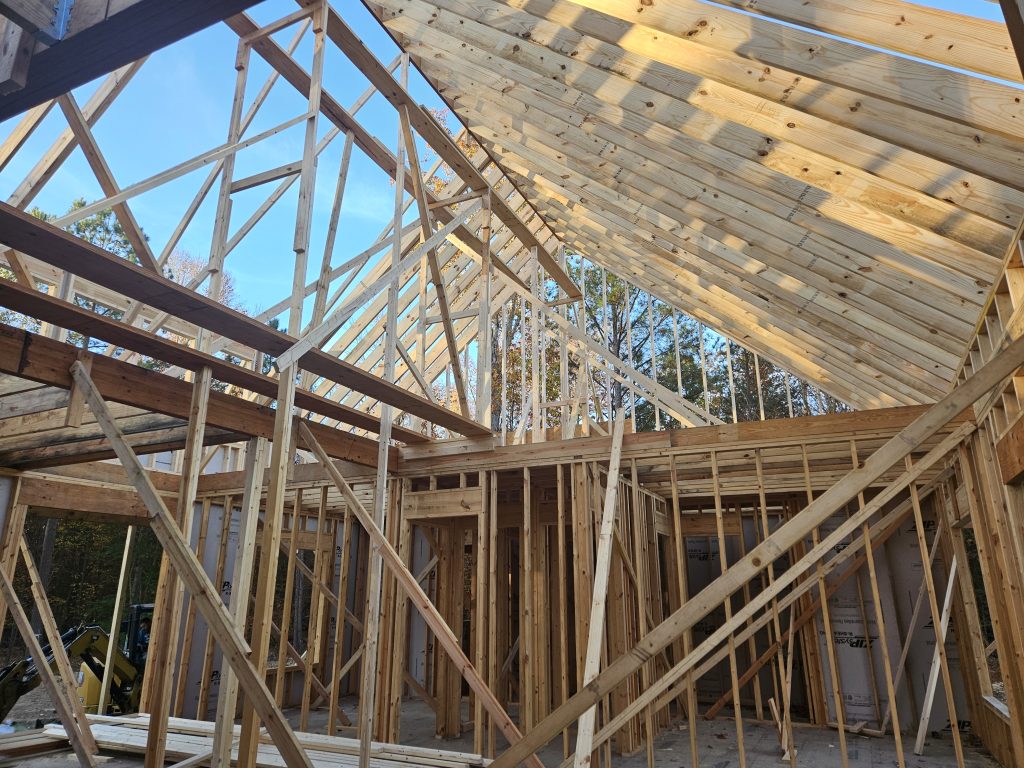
pixel 102 229
pixel 468 145
pixel 642 330
pixel 183 268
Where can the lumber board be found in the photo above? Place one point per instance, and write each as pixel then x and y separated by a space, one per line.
pixel 66 315
pixel 187 568
pixel 136 30
pixel 92 447
pixel 956 39
pixel 829 360
pixel 452 502
pixel 639 64
pixel 16 46
pixel 776 45
pixel 79 500
pixel 1013 13
pixel 29 235
pixel 692 441
pixel 785 205
pixel 189 737
pixel 47 361
pixel 599 603
pixel 1010 453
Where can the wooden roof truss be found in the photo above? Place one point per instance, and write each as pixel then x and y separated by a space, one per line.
pixel 438 308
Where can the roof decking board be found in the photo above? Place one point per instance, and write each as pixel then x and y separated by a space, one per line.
pixel 570 78
pixel 724 221
pixel 979 103
pixel 947 38
pixel 840 122
pixel 852 260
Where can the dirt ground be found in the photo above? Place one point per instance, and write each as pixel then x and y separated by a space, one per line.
pixel 34 705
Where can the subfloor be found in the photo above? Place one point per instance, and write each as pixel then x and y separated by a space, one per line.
pixel 816 748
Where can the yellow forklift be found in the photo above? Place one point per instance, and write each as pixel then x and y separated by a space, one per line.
pixel 88 645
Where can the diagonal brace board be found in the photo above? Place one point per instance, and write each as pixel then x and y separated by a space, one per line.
pixel 436 276
pixel 57 649
pixel 602 571
pixel 57 691
pixel 318 335
pixel 206 595
pixel 419 598
pixel 747 568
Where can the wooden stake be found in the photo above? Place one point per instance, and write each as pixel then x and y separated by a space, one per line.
pixel 723 561
pixel 602 568
pixel 120 601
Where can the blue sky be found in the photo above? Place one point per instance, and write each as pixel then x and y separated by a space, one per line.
pixel 980 8
pixel 178 105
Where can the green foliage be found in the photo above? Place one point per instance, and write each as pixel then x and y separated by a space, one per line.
pixel 102 229
pixel 86 563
